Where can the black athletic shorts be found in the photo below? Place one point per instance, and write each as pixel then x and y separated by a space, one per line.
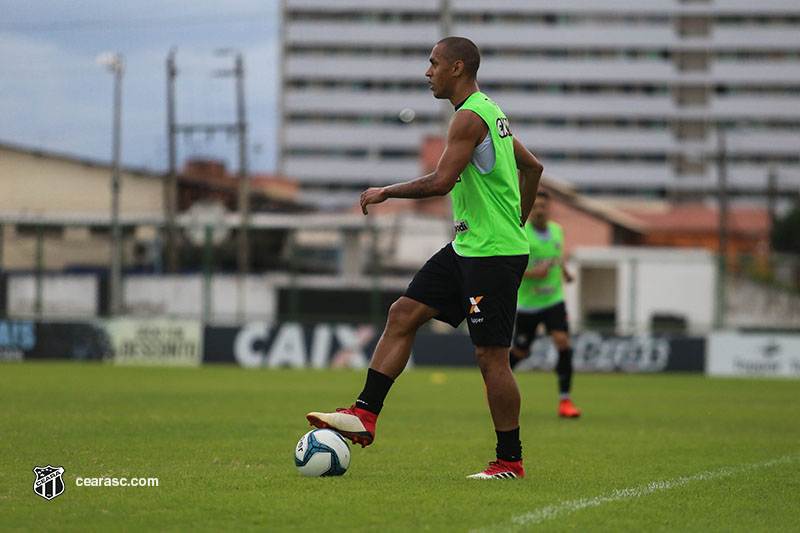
pixel 554 318
pixel 481 289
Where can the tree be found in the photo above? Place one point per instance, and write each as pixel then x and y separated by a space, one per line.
pixel 786 232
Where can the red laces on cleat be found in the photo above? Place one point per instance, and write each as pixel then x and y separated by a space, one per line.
pixel 495 467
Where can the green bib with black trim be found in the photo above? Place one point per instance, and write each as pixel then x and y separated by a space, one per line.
pixel 486 207
pixel 534 293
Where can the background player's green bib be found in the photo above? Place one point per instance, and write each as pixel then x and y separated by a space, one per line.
pixel 486 207
pixel 540 293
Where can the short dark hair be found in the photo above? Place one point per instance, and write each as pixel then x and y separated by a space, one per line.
pixel 455 48
pixel 543 194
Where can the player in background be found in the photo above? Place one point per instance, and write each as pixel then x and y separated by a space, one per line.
pixel 493 180
pixel 541 299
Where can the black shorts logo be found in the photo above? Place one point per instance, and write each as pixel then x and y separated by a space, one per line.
pixel 474 300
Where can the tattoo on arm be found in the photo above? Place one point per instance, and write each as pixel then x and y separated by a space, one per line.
pixel 423 187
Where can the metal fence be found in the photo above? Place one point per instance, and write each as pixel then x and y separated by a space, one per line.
pixel 347 271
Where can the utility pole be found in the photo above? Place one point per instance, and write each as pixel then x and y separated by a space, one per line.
pixel 239 128
pixel 116 64
pixel 243 242
pixel 722 176
pixel 171 181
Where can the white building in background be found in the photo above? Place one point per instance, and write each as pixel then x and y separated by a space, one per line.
pixel 620 96
pixel 636 289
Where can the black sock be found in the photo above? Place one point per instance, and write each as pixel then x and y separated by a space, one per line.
pixel 564 370
pixel 375 390
pixel 513 359
pixel 509 448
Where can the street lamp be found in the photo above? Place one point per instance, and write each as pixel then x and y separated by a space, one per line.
pixel 116 64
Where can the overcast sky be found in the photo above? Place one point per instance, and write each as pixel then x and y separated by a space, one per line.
pixel 54 96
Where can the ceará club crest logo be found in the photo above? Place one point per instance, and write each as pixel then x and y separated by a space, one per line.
pixel 48 482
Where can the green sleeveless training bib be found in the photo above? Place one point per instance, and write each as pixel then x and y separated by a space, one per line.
pixel 535 294
pixel 486 207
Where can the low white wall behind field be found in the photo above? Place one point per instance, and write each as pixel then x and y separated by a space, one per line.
pixel 635 285
pixel 640 282
pixel 753 304
pixel 73 296
pixel 685 289
pixel 182 296
pixel 66 297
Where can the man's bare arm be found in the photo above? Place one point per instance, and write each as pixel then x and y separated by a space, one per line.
pixel 568 277
pixel 466 130
pixel 530 172
pixel 540 271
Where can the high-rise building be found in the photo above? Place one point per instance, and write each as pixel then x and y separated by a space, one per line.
pixel 615 97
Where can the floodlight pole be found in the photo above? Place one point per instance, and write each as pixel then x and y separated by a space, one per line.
pixel 115 63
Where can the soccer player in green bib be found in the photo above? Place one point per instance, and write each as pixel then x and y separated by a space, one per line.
pixel 541 299
pixel 492 179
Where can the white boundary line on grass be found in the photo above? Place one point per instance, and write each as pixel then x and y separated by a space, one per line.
pixel 550 512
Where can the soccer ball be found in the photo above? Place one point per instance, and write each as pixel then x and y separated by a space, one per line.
pixel 322 452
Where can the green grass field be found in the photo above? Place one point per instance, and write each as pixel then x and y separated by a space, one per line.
pixel 221 442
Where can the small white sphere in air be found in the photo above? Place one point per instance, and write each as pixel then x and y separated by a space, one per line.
pixel 407 115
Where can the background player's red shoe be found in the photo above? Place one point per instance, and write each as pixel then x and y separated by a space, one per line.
pixel 353 423
pixel 566 409
pixel 500 470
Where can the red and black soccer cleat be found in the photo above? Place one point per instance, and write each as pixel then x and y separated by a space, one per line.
pixel 566 409
pixel 353 423
pixel 501 470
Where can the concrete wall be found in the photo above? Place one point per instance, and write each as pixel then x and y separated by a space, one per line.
pixel 36 183
pixel 76 296
pixel 182 296
pixel 686 289
pixel 753 304
pixel 64 248
pixel 635 282
pixel 74 191
pixel 63 296
pixel 648 282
